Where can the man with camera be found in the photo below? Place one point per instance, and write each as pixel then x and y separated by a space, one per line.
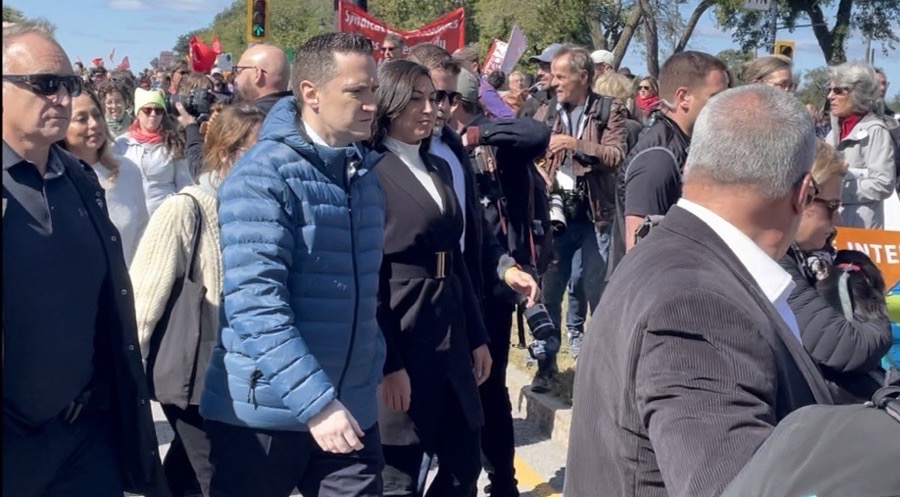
pixel 586 147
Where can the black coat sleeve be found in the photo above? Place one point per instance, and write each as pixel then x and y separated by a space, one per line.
pixel 832 341
pixel 526 138
pixel 193 149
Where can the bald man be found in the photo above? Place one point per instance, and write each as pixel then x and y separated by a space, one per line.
pixel 261 76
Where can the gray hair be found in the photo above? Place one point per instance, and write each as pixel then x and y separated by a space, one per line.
pixel 769 148
pixel 11 31
pixel 859 77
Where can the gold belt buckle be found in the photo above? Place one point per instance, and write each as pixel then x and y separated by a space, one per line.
pixel 441 266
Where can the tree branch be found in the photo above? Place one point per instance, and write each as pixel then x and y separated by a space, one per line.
pixel 692 23
pixel 634 18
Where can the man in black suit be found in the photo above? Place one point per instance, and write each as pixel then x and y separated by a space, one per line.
pixel 699 355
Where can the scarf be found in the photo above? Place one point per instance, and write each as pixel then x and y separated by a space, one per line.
pixel 647 104
pixel 143 137
pixel 120 125
pixel 847 124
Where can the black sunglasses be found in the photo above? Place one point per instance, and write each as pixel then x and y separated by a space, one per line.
pixel 47 84
pixel 452 96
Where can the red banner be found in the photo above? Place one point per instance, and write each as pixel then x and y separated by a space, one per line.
pixel 447 31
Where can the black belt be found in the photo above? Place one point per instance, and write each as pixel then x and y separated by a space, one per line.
pixel 436 266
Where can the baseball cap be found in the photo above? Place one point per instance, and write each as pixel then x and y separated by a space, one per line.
pixel 603 57
pixel 627 73
pixel 547 55
pixel 467 86
pixel 216 70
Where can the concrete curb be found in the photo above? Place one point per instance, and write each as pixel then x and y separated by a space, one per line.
pixel 551 415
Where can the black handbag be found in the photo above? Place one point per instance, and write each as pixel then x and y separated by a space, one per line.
pixel 175 343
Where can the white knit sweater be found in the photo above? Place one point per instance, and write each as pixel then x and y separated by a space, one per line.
pixel 126 203
pixel 162 257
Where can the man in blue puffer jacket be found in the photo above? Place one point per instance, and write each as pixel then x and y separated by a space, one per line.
pixel 290 393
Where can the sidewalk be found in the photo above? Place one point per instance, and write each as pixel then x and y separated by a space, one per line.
pixel 552 416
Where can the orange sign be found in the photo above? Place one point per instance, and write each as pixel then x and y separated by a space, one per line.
pixel 882 246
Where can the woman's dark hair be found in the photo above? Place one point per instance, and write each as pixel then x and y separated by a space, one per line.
pixel 396 82
pixel 117 86
pixel 105 152
pixel 497 79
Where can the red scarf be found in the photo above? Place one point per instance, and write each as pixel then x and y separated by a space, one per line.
pixel 847 124
pixel 143 136
pixel 647 104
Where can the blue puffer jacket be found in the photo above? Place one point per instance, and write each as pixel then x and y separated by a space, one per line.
pixel 301 252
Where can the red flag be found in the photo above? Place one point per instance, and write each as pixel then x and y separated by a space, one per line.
pixel 202 56
pixel 216 45
pixel 112 54
pixel 124 65
pixel 97 61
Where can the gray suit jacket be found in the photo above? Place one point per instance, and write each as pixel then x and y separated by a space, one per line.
pixel 684 372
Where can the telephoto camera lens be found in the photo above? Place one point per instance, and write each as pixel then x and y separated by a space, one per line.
pixel 539 322
pixel 557 213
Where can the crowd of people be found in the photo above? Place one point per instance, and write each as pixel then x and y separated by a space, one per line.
pixel 314 267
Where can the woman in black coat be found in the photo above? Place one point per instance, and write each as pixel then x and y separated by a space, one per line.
pixel 845 350
pixel 436 341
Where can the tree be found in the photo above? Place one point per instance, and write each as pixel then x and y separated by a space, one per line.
pixel 12 14
pixel 664 31
pixel 735 59
pixel 872 18
pixel 894 104
pixel 813 87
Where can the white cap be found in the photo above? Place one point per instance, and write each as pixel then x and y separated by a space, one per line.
pixel 216 70
pixel 603 57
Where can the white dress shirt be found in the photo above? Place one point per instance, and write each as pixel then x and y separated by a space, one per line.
pixel 775 283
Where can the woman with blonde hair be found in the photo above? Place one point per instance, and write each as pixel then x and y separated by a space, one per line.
pixel 771 70
pixel 182 243
pixel 844 349
pixel 88 138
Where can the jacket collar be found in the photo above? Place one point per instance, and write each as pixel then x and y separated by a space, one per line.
pixel 684 223
pixel 283 125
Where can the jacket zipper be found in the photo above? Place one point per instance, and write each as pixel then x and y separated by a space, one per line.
pixel 347 175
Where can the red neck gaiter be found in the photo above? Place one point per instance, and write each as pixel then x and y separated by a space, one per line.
pixel 142 136
pixel 847 124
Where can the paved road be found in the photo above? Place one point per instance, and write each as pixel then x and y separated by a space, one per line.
pixel 540 463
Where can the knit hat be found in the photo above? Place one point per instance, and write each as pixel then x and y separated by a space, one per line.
pixel 467 85
pixel 144 97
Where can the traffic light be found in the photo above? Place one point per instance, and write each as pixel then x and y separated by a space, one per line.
pixel 257 20
pixel 785 47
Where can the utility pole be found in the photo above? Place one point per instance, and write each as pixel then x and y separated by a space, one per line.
pixel 773 26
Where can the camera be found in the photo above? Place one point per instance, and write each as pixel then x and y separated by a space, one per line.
pixel 557 213
pixel 542 330
pixel 197 103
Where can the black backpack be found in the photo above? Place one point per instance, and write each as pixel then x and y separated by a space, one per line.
pixel 824 450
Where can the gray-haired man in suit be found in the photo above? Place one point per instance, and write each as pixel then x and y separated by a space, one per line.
pixel 699 355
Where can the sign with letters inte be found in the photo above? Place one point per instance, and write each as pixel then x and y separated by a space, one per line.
pixel 447 31
pixel 882 246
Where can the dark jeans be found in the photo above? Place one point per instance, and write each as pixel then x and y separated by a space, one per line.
pixel 497 439
pixel 77 460
pixel 457 450
pixel 187 463
pixel 581 242
pixel 248 462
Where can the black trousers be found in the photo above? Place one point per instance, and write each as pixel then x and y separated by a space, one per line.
pixel 64 460
pixel 457 450
pixel 497 436
pixel 248 462
pixel 187 465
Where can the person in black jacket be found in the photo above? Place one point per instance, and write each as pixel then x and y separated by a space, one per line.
pixel 845 350
pixel 502 154
pixel 76 410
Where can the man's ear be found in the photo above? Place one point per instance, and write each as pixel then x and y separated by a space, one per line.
pixel 683 98
pixel 801 195
pixel 310 95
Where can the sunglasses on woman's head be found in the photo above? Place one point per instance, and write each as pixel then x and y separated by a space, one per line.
pixel 47 84
pixel 152 110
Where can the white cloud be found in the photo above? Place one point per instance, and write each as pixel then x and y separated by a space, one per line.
pixel 126 4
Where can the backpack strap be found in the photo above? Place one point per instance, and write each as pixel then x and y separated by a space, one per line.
pixel 888 398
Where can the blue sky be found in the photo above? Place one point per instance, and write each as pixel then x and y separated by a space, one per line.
pixel 140 29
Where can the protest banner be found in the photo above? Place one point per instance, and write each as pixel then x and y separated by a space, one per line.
pixel 882 246
pixel 447 31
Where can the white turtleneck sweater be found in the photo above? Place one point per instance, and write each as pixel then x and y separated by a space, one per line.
pixel 126 203
pixel 409 155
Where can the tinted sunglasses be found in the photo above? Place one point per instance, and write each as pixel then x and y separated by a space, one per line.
pixel 644 88
pixel 152 110
pixel 839 90
pixel 832 205
pixel 47 84
pixel 452 96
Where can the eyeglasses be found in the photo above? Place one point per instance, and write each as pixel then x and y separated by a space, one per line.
pixel 813 191
pixel 184 73
pixel 452 96
pixel 388 49
pixel 47 84
pixel 644 88
pixel 832 205
pixel 238 69
pixel 839 90
pixel 153 110
pixel 781 85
